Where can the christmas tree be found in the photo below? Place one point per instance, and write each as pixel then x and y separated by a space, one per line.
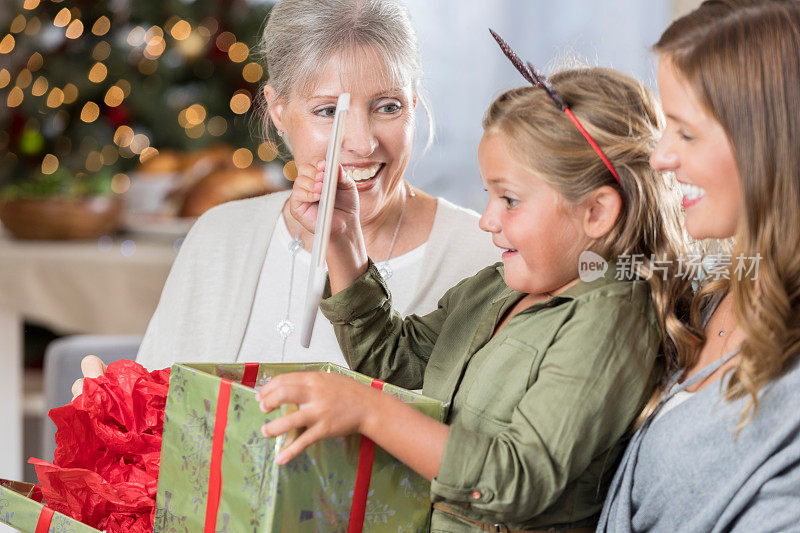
pixel 93 88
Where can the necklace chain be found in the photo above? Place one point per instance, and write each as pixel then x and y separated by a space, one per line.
pixel 383 267
pixel 722 331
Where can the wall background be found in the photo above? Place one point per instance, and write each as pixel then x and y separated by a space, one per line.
pixel 465 70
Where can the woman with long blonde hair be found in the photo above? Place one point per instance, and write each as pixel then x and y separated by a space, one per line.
pixel 719 448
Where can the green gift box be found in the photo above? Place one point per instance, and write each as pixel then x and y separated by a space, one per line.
pixel 218 471
pixel 21 507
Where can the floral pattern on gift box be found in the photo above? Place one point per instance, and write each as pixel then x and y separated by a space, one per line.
pixel 333 506
pixel 5 513
pixel 377 512
pixel 196 437
pixel 255 452
pixel 61 524
pixel 414 486
pixel 168 521
pixel 230 372
pixel 177 387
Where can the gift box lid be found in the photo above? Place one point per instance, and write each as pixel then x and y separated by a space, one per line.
pixel 21 507
pixel 238 374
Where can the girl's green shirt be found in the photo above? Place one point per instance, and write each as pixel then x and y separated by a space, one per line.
pixel 538 411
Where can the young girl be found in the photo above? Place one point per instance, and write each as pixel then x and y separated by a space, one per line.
pixel 721 451
pixel 544 371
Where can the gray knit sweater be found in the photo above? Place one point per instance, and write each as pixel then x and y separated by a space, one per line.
pixel 687 472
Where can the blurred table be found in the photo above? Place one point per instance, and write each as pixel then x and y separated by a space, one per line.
pixel 103 287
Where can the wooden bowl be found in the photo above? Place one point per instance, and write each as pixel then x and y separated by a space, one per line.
pixel 61 218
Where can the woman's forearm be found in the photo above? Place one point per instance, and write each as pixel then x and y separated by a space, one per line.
pixel 412 437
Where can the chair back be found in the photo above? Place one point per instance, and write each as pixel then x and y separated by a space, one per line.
pixel 62 366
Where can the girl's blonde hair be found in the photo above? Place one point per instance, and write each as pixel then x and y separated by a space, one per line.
pixel 302 35
pixel 625 120
pixel 741 58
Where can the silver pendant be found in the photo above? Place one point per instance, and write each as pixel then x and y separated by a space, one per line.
pixel 295 245
pixel 385 271
pixel 285 328
pixel 721 333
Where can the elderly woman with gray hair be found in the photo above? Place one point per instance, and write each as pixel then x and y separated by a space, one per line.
pixel 236 289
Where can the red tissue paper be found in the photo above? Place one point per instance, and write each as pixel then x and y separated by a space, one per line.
pixel 108 450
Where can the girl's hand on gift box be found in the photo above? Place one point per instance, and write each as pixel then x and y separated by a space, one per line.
pixel 91 367
pixel 331 405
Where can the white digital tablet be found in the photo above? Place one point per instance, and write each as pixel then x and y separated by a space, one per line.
pixel 317 274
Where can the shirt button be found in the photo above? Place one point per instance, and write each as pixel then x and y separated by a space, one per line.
pixel 476 495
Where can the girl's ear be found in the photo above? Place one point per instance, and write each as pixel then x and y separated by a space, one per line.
pixel 601 210
pixel 275 106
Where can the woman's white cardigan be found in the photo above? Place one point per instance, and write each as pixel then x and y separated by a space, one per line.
pixel 207 299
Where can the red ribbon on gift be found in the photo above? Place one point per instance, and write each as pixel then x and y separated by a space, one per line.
pixel 249 378
pixel 217 443
pixel 366 454
pixel 45 517
pixel 250 375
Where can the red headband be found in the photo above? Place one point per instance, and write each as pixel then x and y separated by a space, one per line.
pixel 537 79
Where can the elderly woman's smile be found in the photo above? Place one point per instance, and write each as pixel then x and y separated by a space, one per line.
pixel 362 173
